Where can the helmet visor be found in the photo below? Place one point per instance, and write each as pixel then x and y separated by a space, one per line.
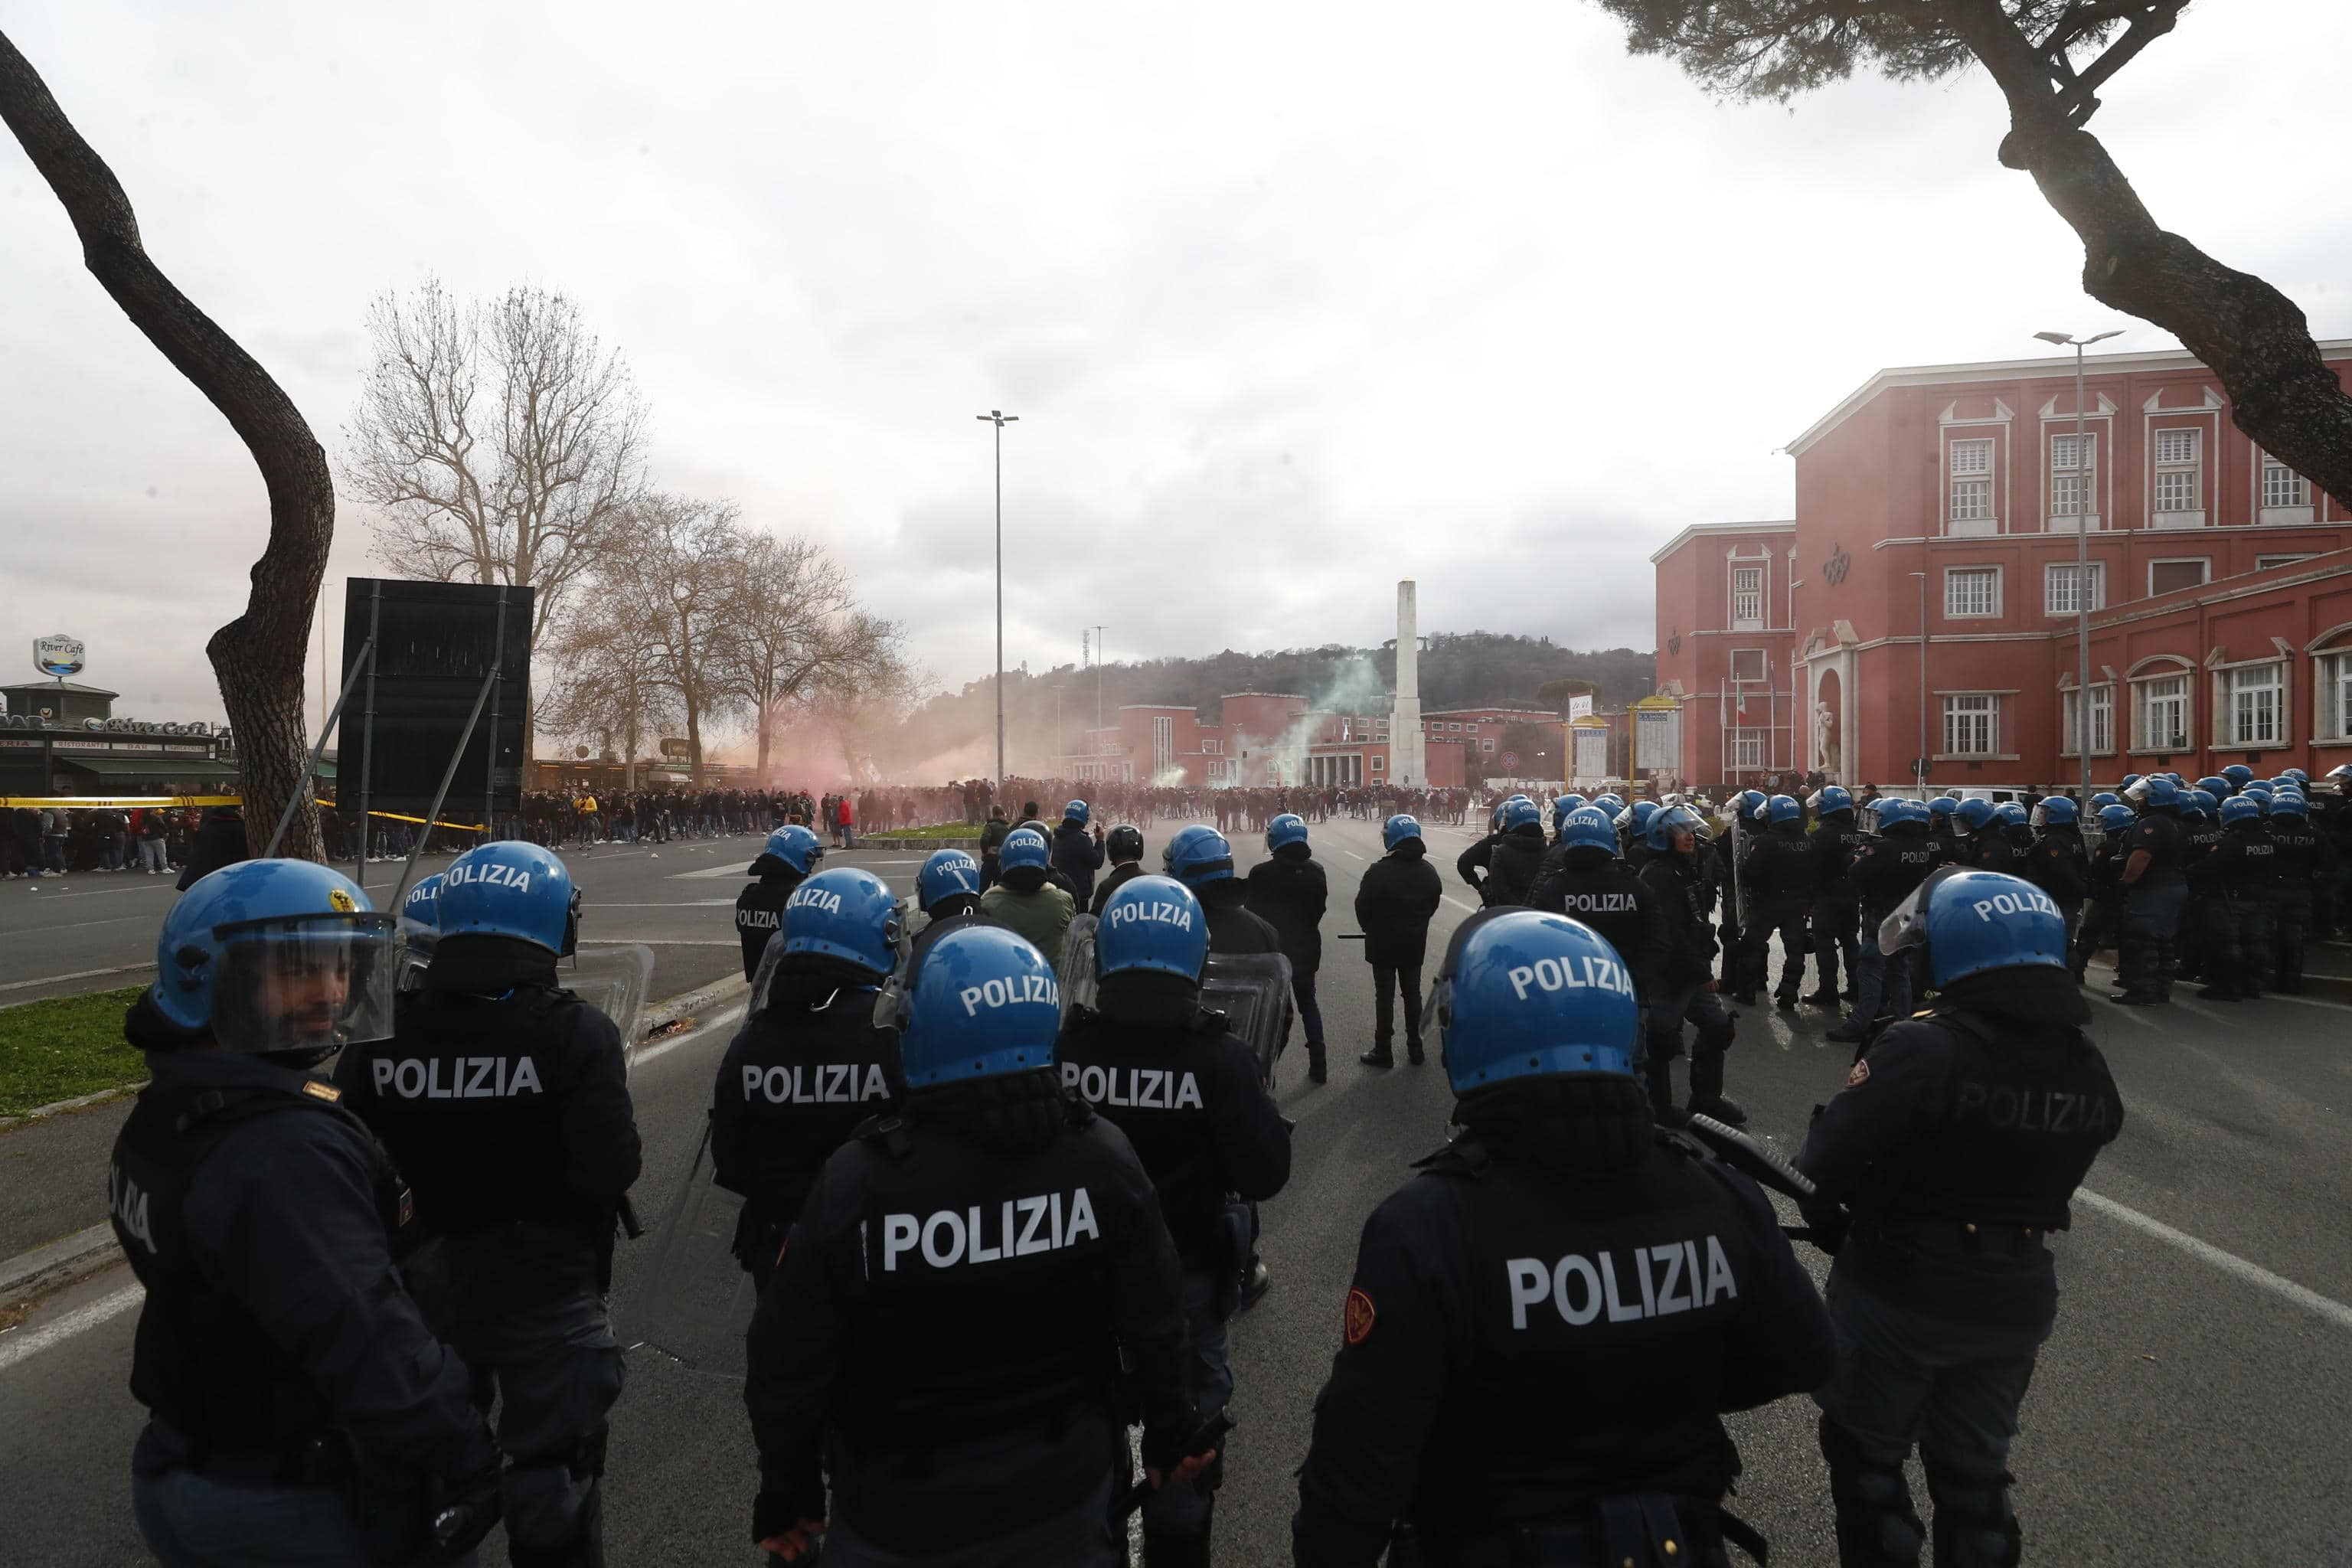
pixel 308 983
pixel 1907 926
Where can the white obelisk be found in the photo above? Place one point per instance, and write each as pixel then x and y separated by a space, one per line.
pixel 1408 756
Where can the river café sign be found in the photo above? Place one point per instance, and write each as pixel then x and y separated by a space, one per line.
pixel 60 656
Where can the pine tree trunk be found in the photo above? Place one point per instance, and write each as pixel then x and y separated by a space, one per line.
pixel 258 657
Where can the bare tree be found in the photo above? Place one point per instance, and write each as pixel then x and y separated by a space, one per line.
pixel 607 680
pixel 793 629
pixel 2050 59
pixel 671 585
pixel 499 442
pixel 258 657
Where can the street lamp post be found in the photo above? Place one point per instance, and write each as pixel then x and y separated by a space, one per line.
pixel 2082 471
pixel 1920 766
pixel 999 418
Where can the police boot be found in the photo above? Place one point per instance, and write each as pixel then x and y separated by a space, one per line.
pixel 1849 1033
pixel 585 1548
pixel 1706 1092
pixel 1974 1527
pixel 1876 1525
pixel 1412 1052
pixel 1316 1070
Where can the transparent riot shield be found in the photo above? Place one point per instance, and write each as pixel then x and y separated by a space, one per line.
pixel 1078 966
pixel 1253 991
pixel 614 980
pixel 695 1300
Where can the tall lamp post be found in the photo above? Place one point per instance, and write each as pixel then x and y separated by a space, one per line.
pixel 2082 471
pixel 999 418
pixel 1920 767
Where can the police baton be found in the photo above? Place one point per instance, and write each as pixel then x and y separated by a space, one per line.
pixel 1763 1166
pixel 1211 1435
pixel 627 1212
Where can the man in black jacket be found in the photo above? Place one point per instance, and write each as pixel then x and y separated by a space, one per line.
pixel 1124 846
pixel 1837 908
pixel 1289 891
pixel 1776 874
pixel 1394 904
pixel 1687 986
pixel 1077 854
pixel 1512 856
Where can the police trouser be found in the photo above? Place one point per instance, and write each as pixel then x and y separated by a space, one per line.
pixel 1208 1300
pixel 2151 927
pixel 2290 914
pixel 1881 984
pixel 1302 991
pixel 1766 919
pixel 1664 1022
pixel 556 1369
pixel 1836 917
pixel 1387 980
pixel 1951 1388
pixel 1080 1536
pixel 2237 942
pixel 232 1515
pixel 1649 1530
pixel 2102 923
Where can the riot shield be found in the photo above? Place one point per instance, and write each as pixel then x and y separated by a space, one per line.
pixel 614 980
pixel 1078 966
pixel 1253 991
pixel 695 1300
pixel 1739 853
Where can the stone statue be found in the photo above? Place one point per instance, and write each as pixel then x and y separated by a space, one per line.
pixel 1825 743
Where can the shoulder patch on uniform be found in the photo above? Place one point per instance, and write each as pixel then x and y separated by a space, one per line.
pixel 1859 1076
pixel 318 1091
pixel 1358 1318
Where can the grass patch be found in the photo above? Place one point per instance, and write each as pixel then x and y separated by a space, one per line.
pixel 65 1048
pixel 932 833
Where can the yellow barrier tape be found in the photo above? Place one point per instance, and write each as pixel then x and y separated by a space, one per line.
pixel 176 801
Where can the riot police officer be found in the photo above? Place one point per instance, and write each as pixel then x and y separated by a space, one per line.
pixel 2103 914
pixel 1124 845
pixel 504 1098
pixel 1077 854
pixel 2306 861
pixel 1395 903
pixel 809 1063
pixel 1955 1148
pixel 1944 830
pixel 1514 855
pixel 1776 874
pixel 2154 889
pixel 1289 891
pixel 1167 1073
pixel 946 887
pixel 1686 990
pixel 2057 863
pixel 1837 904
pixel 1024 900
pixel 1481 1392
pixel 1633 829
pixel 2235 898
pixel 1200 858
pixel 1749 818
pixel 790 855
pixel 1884 873
pixel 943 1334
pixel 1583 879
pixel 287 1422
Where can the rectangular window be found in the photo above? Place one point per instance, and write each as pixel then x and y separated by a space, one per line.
pixel 2103 722
pixel 1972 480
pixel 2160 723
pixel 1746 596
pixel 2282 485
pixel 1747 664
pixel 1163 743
pixel 1486 745
pixel 1746 748
pixel 2171 576
pixel 1379 764
pixel 2251 697
pixel 2265 562
pixel 2073 466
pixel 2059 595
pixel 1971 726
pixel 2335 696
pixel 2174 448
pixel 1211 748
pixel 1973 590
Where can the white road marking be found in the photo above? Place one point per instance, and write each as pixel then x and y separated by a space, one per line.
pixel 2301 1296
pixel 661 1049
pixel 672 904
pixel 76 974
pixel 1351 854
pixel 16 1347
pixel 1465 909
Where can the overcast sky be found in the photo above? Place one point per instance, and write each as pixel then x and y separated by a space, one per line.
pixel 1292 300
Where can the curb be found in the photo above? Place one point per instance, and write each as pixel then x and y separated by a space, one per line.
pixel 56 1106
pixel 661 1015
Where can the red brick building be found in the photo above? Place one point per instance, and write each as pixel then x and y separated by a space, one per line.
pixel 1934 551
pixel 1263 738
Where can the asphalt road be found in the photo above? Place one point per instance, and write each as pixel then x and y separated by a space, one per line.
pixel 2189 1408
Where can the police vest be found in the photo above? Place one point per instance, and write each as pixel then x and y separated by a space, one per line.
pixel 1778 867
pixel 200 1360
pixel 1511 869
pixel 1834 847
pixel 794 1093
pixel 759 913
pixel 1600 1315
pixel 2022 1121
pixel 983 1301
pixel 1155 1085
pixel 1606 898
pixel 461 1098
pixel 2298 852
pixel 1890 868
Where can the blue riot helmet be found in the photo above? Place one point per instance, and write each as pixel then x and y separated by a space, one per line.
pixel 2241 808
pixel 2011 814
pixel 1640 811
pixel 1023 846
pixel 1153 924
pixel 1078 811
pixel 1572 797
pixel 846 913
pixel 1560 807
pixel 1784 808
pixel 1831 799
pixel 2239 774
pixel 1971 920
pixel 1750 805
pixel 796 847
pixel 1198 854
pixel 2290 803
pixel 275 956
pixel 1665 822
pixel 1521 811
pixel 1526 992
pixel 1287 829
pixel 980 1001
pixel 2159 792
pixel 1942 805
pixel 1589 827
pixel 946 874
pixel 1397 829
pixel 510 888
pixel 1495 818
pixel 420 920
pixel 2200 802
pixel 2129 780
pixel 1973 814
pixel 2258 789
pixel 1608 801
pixel 2217 787
pixel 2058 811
pixel 2118 817
pixel 2297 775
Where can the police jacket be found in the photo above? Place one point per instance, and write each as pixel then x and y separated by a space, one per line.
pixel 1594 886
pixel 1028 904
pixel 1777 866
pixel 1124 871
pixel 1234 927
pixel 257 1212
pixel 2245 864
pixel 2059 865
pixel 1951 846
pixel 1395 901
pixel 797 1078
pixel 1550 1314
pixel 2200 837
pixel 1186 1094
pixel 1959 1139
pixel 504 1099
pixel 2162 836
pixel 1077 855
pixel 1289 891
pixel 1679 883
pixel 1476 858
pixel 759 911
pixel 1511 867
pixel 1990 849
pixel 2107 866
pixel 2305 856
pixel 944 1330
pixel 1834 844
pixel 1889 867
